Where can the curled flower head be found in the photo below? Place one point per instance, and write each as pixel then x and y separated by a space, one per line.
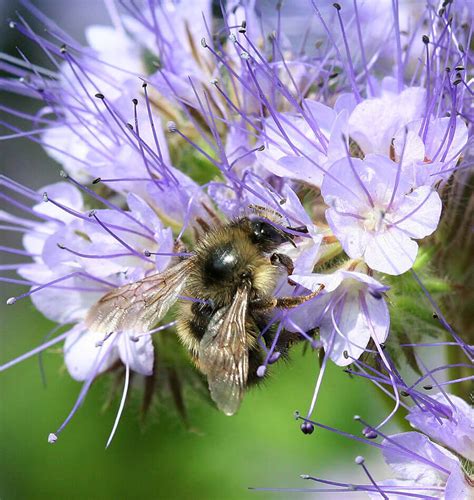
pixel 340 139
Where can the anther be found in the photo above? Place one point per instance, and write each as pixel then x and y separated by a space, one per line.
pixel 435 316
pixel 146 253
pixel 336 6
pixel 232 38
pixel 144 85
pixel 12 25
pixel 11 301
pixel 404 394
pixel 60 245
pixel 45 197
pixel 307 428
pixel 427 387
pixel 305 476
pixel 274 357
pixel 261 148
pixel 426 39
pixel 359 460
pixel 52 438
pixel 171 126
pixel 134 338
pixel 356 417
pixel 135 101
pixel 369 433
pixel 296 415
pixel 91 213
pixel 245 56
pixel 96 180
pixel 203 42
pixel 129 126
pixel 100 96
pixel 345 354
pixel 375 294
pixel 63 174
pixel 243 27
pixel 261 371
pixel 63 48
pixel 214 81
pixel 459 68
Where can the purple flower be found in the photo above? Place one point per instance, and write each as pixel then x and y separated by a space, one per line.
pixel 87 255
pixel 424 468
pixel 374 122
pixel 350 312
pixel 453 428
pixel 309 143
pixel 374 213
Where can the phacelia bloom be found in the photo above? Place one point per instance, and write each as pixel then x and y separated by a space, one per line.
pixel 437 462
pixel 451 426
pixel 424 468
pixel 344 134
pixel 375 214
pixel 350 312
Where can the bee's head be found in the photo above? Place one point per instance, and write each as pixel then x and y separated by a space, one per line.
pixel 268 236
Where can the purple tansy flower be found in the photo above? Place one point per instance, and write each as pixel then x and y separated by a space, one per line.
pixel 86 250
pixel 374 121
pixel 423 468
pixel 302 147
pixel 349 313
pixel 453 428
pixel 374 214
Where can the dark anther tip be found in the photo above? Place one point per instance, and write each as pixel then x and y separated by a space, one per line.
pixel 144 85
pixel 307 428
pixel 100 96
pixel 63 48
pixel 337 6
pixel 135 101
pixel 129 126
pixel 426 39
pixel 96 180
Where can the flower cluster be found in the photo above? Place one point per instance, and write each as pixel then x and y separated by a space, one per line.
pixel 174 117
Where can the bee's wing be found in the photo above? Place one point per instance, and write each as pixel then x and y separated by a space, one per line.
pixel 223 354
pixel 136 307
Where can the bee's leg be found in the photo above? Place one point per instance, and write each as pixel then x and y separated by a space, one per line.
pixel 284 302
pixel 284 260
pixel 179 247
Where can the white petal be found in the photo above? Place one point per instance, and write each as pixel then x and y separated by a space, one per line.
pixel 82 355
pixel 346 228
pixel 419 212
pixel 408 466
pixel 137 353
pixel 391 252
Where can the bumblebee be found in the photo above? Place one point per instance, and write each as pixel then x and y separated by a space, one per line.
pixel 225 292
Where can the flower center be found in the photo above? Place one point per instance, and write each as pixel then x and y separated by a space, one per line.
pixel 375 220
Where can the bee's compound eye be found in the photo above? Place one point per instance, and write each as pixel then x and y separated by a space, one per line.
pixel 221 263
pixel 264 234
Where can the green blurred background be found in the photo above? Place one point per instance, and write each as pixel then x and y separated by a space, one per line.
pixel 221 458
